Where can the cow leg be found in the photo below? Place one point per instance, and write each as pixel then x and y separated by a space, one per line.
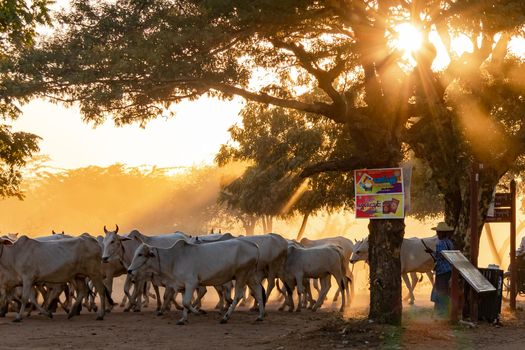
pixel 108 283
pixel 168 297
pixel 227 294
pixel 135 300
pixel 325 287
pixel 64 304
pixel 101 290
pixel 53 295
pixel 186 302
pixel 259 294
pixel 409 286
pixel 239 293
pixel 281 290
pixel 336 296
pixel 290 286
pixel 415 280
pixel 81 288
pixel 4 305
pixel 259 278
pixel 220 293
pixel 271 283
pixel 350 285
pixel 140 287
pixel 307 297
pixel 342 285
pixel 28 295
pixel 127 287
pixel 201 291
pixel 157 297
pixel 145 294
pixel 300 291
pixel 177 306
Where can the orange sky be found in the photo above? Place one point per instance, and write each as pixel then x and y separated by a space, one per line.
pixel 192 137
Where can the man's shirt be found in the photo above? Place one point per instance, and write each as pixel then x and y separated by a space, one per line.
pixel 442 265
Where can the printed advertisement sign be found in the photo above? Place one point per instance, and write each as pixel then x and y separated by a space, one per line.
pixel 379 193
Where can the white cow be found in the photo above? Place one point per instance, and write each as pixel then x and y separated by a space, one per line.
pixel 118 253
pixel 319 262
pixel 273 250
pixel 348 248
pixel 185 267
pixel 62 261
pixel 413 259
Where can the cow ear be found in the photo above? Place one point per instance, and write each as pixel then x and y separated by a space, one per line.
pixel 151 254
pixel 6 242
pixel 125 238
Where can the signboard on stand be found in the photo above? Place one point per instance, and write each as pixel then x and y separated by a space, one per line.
pixel 379 193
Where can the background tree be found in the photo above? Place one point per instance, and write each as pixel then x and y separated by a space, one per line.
pixel 153 200
pixel 18 20
pixel 279 143
pixel 132 59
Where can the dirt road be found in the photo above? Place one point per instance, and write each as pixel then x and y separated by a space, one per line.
pixel 280 330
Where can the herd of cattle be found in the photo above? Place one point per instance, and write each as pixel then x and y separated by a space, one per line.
pixel 61 270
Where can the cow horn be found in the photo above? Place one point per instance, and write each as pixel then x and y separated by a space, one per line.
pixel 105 229
pixel 116 230
pixel 53 231
pixel 63 232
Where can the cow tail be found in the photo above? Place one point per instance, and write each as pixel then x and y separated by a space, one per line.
pixel 344 267
pixel 263 295
pixel 108 296
pixel 288 289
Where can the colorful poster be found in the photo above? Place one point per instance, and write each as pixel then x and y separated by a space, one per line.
pixel 379 193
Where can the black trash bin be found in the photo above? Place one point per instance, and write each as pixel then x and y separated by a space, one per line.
pixel 489 304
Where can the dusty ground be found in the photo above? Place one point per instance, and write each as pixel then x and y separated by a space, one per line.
pixel 280 330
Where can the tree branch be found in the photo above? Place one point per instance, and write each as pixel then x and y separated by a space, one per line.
pixel 324 78
pixel 339 165
pixel 321 108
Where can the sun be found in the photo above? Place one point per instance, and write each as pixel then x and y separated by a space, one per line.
pixel 408 38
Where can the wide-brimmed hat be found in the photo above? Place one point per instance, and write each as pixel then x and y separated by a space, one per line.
pixel 442 226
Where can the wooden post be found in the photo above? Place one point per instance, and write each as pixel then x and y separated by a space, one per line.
pixel 454 296
pixel 513 267
pixel 474 205
pixel 474 238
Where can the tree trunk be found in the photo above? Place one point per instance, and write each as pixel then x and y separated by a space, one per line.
pixel 303 226
pixel 249 225
pixel 250 228
pixel 385 239
pixel 264 224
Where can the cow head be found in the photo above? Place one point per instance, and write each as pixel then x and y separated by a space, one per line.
pixel 112 248
pixel 5 241
pixel 141 259
pixel 360 252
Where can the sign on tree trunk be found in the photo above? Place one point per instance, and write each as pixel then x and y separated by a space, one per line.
pixel 379 193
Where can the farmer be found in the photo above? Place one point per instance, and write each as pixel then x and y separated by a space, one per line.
pixel 443 270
